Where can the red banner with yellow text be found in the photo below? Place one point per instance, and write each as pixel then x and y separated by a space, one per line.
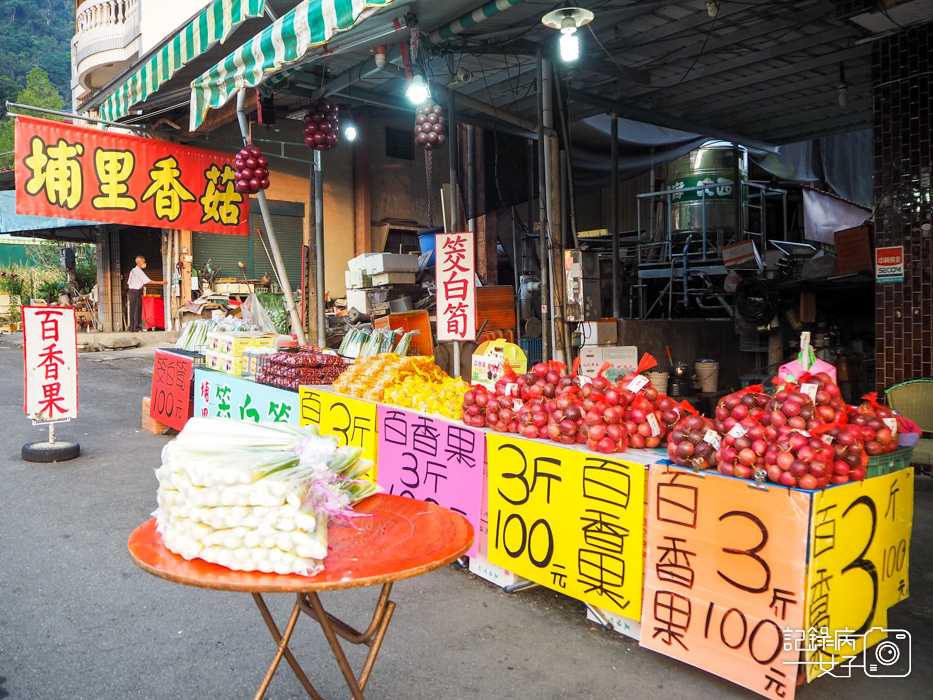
pixel 73 172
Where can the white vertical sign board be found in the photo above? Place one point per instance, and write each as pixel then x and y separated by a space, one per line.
pixel 455 266
pixel 50 350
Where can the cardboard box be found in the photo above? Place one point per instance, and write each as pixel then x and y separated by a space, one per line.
pixel 741 256
pixel 229 364
pixel 604 332
pixel 490 358
pixel 150 424
pixel 853 250
pixel 235 342
pixel 381 279
pixel 624 358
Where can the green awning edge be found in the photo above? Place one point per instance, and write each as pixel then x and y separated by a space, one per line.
pixel 212 26
pixel 285 42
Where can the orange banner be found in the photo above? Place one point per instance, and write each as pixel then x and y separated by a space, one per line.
pixel 724 577
pixel 77 173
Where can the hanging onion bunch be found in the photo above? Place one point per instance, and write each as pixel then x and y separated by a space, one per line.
pixel 429 126
pixel 322 126
pixel 251 170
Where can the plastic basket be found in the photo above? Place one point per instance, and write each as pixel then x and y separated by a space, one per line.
pixel 879 465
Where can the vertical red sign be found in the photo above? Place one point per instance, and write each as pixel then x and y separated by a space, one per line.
pixel 170 402
pixel 456 286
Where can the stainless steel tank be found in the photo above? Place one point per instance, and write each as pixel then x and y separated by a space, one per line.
pixel 712 208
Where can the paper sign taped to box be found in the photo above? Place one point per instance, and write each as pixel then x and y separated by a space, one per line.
pixel 490 358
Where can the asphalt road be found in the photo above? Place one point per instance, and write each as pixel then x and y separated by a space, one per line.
pixel 79 620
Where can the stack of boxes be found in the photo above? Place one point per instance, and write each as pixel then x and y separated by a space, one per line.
pixel 224 351
pixel 599 347
pixel 371 276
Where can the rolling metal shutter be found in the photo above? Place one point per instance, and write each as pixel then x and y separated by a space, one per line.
pixel 225 251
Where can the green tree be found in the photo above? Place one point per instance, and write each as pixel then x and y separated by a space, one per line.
pixel 39 92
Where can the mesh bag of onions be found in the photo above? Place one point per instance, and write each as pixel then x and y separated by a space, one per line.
pixel 693 443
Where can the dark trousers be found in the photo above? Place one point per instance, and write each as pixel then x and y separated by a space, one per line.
pixel 136 308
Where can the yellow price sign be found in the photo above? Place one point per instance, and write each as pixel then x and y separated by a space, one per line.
pixel 351 421
pixel 859 558
pixel 569 519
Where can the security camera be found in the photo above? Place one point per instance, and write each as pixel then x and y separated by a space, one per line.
pixel 462 76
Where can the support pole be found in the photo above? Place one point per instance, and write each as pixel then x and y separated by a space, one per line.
pixel 454 186
pixel 542 219
pixel 270 231
pixel 739 214
pixel 614 214
pixel 517 273
pixel 319 250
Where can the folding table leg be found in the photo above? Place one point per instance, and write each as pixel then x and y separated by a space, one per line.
pixel 372 637
pixel 282 641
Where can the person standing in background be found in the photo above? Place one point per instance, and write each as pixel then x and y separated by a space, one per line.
pixel 136 283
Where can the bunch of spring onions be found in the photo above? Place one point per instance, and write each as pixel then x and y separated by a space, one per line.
pixel 256 496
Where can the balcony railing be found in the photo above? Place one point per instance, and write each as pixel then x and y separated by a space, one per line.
pixel 106 40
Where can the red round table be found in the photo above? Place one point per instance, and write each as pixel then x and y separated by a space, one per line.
pixel 396 538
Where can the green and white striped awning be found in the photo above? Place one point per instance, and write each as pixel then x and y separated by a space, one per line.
pixel 213 26
pixel 280 45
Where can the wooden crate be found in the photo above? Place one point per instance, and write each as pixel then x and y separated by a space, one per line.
pixel 149 423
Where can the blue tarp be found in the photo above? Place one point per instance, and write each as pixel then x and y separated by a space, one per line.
pixel 11 222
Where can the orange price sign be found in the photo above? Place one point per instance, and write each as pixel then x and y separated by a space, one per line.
pixel 724 577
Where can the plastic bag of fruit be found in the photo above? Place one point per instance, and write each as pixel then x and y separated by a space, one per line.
pixel 743 450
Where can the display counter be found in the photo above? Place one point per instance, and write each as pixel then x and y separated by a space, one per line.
pixel 715 571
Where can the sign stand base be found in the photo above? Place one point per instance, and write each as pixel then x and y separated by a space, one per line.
pixel 50 451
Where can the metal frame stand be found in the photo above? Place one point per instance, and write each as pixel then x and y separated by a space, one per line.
pixel 310 604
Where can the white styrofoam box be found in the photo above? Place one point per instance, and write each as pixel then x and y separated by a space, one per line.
pixel 359 262
pixel 620 623
pixel 381 279
pixel 624 358
pixel 359 300
pixel 390 262
pixel 743 255
pixel 357 279
pixel 600 332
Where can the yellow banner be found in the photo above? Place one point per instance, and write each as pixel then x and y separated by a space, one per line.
pixel 859 558
pixel 351 421
pixel 569 519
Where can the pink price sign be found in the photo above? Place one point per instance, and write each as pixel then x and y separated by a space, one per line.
pixel 430 459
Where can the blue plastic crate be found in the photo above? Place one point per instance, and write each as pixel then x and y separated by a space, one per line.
pixel 532 349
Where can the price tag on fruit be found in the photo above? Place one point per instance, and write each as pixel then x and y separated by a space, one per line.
pixel 637 383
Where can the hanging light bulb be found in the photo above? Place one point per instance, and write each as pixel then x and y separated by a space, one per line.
pixel 349 131
pixel 417 91
pixel 568 20
pixel 569 47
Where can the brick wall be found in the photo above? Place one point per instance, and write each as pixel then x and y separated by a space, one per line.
pixel 902 76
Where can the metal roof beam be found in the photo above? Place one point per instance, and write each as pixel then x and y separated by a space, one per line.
pixel 859 111
pixel 778 51
pixel 763 78
pixel 728 105
pixel 681 25
pixel 767 25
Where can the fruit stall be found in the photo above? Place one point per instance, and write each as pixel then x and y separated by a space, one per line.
pixel 710 539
